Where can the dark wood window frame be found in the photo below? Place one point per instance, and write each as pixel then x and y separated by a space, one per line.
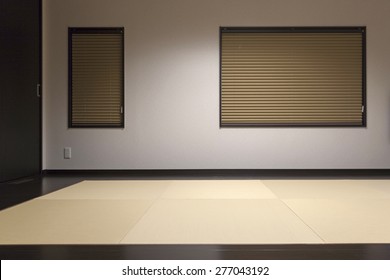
pixel 230 89
pixel 106 112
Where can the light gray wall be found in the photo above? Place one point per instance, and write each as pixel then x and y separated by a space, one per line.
pixel 172 87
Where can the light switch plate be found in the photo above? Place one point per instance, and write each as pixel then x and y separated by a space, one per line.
pixel 67 152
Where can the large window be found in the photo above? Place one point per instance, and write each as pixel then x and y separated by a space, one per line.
pixel 96 71
pixel 292 76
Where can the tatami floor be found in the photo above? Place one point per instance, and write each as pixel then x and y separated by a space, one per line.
pixel 204 212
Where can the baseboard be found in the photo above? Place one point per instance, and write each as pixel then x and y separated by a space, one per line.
pixel 222 172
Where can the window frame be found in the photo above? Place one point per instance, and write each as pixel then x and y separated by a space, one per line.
pixel 335 29
pixel 95 30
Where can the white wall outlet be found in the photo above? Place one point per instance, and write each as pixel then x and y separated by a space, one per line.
pixel 67 152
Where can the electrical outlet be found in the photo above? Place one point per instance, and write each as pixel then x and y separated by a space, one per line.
pixel 67 152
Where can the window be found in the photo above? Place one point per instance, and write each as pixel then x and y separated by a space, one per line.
pixel 96 83
pixel 292 76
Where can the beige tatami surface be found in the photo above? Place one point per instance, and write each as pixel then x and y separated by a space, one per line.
pixel 204 212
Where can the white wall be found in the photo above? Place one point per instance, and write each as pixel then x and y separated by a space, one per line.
pixel 172 88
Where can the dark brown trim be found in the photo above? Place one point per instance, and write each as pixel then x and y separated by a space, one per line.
pixel 40 88
pixel 208 173
pixel 198 252
pixel 364 76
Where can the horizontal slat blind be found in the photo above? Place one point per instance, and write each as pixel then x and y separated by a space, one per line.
pixel 291 78
pixel 97 79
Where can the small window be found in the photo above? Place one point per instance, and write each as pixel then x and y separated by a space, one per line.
pixel 292 76
pixel 96 77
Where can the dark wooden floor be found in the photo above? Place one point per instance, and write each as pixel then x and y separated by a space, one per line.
pixel 16 192
pixel 198 252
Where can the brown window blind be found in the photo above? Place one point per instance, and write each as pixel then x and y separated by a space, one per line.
pixel 292 77
pixel 96 71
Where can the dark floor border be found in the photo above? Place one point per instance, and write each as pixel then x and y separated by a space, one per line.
pixel 302 173
pixel 198 252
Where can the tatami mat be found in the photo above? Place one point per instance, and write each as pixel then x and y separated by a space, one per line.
pixel 217 189
pixel 70 221
pixel 220 222
pixel 346 221
pixel 126 189
pixel 344 189
pixel 204 212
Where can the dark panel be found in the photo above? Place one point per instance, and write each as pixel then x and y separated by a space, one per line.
pixel 20 74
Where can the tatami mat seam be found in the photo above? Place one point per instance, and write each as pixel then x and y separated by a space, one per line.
pixel 140 218
pixel 303 221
